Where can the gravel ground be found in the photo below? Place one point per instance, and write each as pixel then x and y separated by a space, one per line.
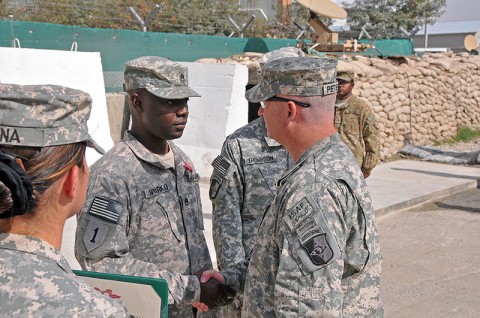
pixel 473 145
pixel 470 146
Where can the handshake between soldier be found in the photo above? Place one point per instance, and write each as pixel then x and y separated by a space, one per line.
pixel 213 290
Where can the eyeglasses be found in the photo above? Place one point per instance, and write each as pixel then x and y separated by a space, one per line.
pixel 343 82
pixel 263 103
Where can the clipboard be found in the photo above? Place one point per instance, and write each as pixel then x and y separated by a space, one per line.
pixel 144 297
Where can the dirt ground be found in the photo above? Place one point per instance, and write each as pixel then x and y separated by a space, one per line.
pixel 431 259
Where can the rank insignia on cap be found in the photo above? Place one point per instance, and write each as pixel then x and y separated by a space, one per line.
pixel 105 209
pixel 318 249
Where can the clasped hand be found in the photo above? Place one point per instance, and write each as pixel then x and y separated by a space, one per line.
pixel 213 290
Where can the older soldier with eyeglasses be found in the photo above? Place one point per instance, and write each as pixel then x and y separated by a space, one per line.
pixel 242 186
pixel 317 250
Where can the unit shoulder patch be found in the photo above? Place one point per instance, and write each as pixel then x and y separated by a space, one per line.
pixel 94 234
pixel 215 184
pixel 318 249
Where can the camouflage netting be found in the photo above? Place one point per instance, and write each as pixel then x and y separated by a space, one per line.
pixel 417 100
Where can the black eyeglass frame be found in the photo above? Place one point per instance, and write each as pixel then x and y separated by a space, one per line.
pixel 281 99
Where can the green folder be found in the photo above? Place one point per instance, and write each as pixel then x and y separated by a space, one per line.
pixel 142 296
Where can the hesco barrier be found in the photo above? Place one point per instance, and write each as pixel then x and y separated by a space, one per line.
pixel 118 46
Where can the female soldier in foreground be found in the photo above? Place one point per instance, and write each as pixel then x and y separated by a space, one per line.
pixel 43 182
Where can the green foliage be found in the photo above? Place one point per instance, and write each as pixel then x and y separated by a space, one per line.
pixel 382 18
pixel 463 134
pixel 180 16
pixel 175 16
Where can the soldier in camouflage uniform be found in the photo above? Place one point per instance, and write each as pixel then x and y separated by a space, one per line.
pixel 242 186
pixel 143 214
pixel 356 124
pixel 317 252
pixel 43 182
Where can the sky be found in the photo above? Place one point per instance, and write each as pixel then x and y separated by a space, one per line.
pixel 455 10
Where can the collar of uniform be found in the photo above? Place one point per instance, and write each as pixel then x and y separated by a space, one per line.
pixel 343 103
pixel 320 145
pixel 143 153
pixel 271 142
pixel 33 245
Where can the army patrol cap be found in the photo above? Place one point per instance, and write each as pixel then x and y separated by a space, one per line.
pixel 159 76
pixel 280 53
pixel 44 115
pixel 346 76
pixel 295 76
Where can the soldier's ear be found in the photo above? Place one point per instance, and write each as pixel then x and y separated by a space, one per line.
pixel 136 102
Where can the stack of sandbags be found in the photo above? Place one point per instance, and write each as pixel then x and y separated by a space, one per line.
pixel 419 100
pixel 416 100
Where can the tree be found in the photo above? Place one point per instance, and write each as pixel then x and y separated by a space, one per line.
pixel 176 16
pixel 383 18
pixel 180 16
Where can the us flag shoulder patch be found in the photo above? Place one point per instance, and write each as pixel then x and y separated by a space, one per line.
pixel 105 209
pixel 221 164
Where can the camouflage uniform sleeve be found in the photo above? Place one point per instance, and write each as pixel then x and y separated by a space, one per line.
pixel 370 139
pixel 102 244
pixel 310 265
pixel 235 274
pixel 226 194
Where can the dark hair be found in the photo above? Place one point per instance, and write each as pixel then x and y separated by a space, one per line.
pixel 44 166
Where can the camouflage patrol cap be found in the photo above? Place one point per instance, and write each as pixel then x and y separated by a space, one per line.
pixel 281 52
pixel 159 76
pixel 44 115
pixel 295 76
pixel 346 76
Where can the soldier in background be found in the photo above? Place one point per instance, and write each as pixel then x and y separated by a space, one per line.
pixel 143 215
pixel 43 182
pixel 242 186
pixel 356 124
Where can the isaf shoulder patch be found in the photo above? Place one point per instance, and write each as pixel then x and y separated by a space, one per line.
pixel 298 213
pixel 105 209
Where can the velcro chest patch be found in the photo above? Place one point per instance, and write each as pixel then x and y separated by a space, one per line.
pixel 260 160
pixel 156 190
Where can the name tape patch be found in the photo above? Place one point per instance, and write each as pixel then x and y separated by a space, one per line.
pixel 260 160
pixel 156 191
pixel 9 135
